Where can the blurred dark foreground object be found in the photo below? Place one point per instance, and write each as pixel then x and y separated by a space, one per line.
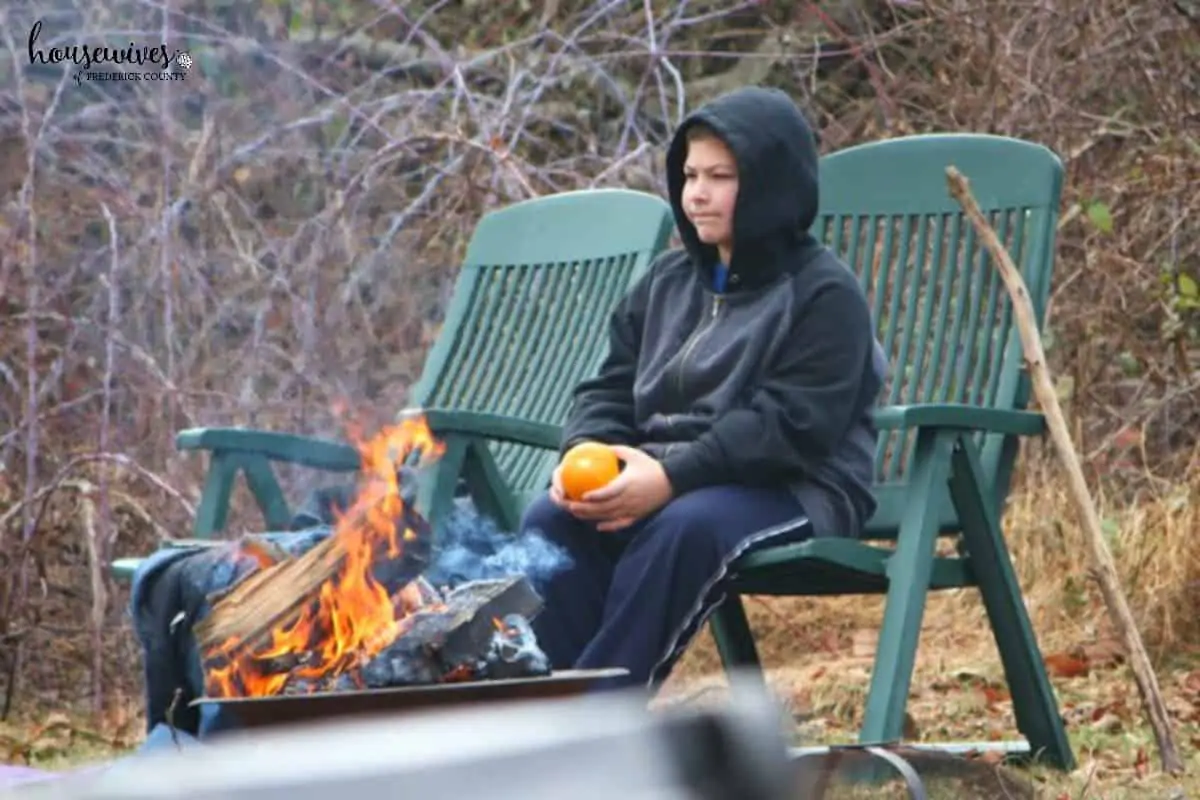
pixel 598 747
pixel 602 746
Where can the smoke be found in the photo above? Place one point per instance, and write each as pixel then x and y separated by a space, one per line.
pixel 472 547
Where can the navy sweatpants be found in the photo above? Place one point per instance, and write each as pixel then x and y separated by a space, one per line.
pixel 635 598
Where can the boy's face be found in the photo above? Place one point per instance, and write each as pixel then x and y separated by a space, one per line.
pixel 710 187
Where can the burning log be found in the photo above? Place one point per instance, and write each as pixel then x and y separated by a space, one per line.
pixel 334 602
pixel 275 594
pixel 331 599
pixel 478 630
pixel 479 609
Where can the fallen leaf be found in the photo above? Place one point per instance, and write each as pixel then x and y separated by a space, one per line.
pixel 993 695
pixel 1065 665
pixel 1142 764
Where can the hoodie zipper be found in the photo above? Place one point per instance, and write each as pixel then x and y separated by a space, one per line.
pixel 694 339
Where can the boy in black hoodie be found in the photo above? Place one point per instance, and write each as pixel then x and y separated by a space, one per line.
pixel 737 391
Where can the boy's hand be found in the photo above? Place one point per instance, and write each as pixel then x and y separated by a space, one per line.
pixel 641 489
pixel 556 491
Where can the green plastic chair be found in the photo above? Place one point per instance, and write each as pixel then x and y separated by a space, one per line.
pixel 950 419
pixel 527 321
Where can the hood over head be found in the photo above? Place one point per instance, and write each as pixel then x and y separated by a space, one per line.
pixel 776 152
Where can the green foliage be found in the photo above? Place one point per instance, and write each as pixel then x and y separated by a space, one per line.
pixel 1186 292
pixel 1181 297
pixel 1128 362
pixel 1100 215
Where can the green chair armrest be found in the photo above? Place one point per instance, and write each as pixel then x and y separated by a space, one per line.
pixel 337 456
pixel 493 426
pixel 123 569
pixel 305 450
pixel 955 415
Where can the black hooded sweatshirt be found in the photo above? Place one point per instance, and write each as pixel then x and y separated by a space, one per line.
pixel 770 382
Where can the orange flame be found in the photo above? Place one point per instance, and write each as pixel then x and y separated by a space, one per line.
pixel 354 617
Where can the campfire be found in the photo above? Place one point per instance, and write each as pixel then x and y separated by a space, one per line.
pixel 356 612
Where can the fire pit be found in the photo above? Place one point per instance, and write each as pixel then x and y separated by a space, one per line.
pixel 282 710
pixel 353 626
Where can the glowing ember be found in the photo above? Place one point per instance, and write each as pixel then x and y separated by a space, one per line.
pixel 353 617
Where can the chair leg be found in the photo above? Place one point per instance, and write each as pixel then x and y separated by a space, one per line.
pixel 214 499
pixel 731 631
pixel 264 486
pixel 488 489
pixel 909 570
pixel 436 486
pixel 735 644
pixel 1034 704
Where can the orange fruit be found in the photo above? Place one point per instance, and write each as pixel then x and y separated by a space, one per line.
pixel 587 466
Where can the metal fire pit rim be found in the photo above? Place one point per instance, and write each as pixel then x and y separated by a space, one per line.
pixel 451 692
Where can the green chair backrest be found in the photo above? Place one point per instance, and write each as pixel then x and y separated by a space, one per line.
pixel 940 307
pixel 530 311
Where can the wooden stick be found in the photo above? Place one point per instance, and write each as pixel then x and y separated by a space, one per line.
pixel 1102 561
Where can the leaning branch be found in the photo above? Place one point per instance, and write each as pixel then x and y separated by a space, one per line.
pixel 1103 566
